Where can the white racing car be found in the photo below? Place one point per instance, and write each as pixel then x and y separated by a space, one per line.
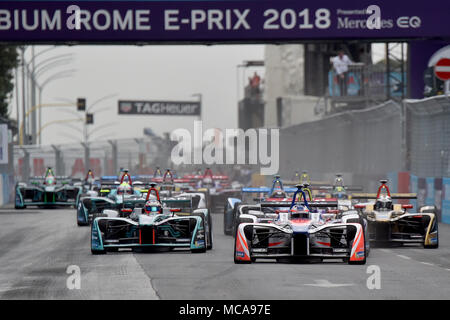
pixel 303 230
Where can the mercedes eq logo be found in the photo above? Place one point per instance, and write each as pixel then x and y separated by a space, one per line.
pixel 409 22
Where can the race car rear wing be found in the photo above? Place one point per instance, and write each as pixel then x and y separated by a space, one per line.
pixel 185 204
pixel 316 204
pixel 266 190
pixel 347 188
pixel 393 196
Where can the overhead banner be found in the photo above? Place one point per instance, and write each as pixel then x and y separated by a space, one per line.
pixel 220 20
pixel 174 108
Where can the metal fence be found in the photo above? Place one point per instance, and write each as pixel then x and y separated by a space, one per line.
pixel 368 143
pixel 139 155
pixel 365 144
pixel 428 136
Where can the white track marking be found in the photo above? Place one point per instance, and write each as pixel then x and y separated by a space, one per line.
pixel 327 284
pixel 427 263
pixel 403 257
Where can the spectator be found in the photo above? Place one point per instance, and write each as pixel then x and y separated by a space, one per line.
pixel 255 82
pixel 340 66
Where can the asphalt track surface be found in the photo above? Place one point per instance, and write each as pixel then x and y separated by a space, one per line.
pixel 37 246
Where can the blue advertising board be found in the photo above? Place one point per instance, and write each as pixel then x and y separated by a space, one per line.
pixel 413 188
pixel 393 181
pixel 446 200
pixel 221 20
pixel 429 200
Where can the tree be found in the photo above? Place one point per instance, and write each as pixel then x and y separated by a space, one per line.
pixel 8 61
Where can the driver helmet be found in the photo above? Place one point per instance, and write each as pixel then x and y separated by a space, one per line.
pixel 278 194
pixel 124 188
pixel 207 181
pixel 339 193
pixel 153 207
pixel 338 182
pixel 384 202
pixel 50 180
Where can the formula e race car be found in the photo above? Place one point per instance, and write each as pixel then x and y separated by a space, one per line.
pixel 277 192
pixel 391 223
pixel 47 191
pixel 158 224
pixel 216 187
pixel 168 185
pixel 301 231
pixel 90 185
pixel 338 189
pixel 113 195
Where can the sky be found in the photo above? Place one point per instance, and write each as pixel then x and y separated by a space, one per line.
pixel 142 73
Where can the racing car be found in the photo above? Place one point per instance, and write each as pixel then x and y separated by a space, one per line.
pixel 113 195
pixel 90 185
pixel 277 192
pixel 169 185
pixel 158 224
pixel 392 223
pixel 48 191
pixel 301 231
pixel 216 187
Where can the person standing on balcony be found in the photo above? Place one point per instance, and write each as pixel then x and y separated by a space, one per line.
pixel 340 66
pixel 255 82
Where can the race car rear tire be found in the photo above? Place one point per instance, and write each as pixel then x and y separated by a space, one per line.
pixel 434 246
pixel 236 261
pixel 361 222
pixel 209 236
pixel 227 230
pixel 96 252
pixel 210 233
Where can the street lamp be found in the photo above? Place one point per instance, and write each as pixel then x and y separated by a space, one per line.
pixel 200 97
pixel 56 76
pixel 33 72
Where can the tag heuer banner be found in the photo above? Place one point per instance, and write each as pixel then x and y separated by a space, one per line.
pixel 175 108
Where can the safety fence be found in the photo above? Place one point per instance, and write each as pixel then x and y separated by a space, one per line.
pixel 366 145
pixel 6 187
pixel 363 144
pixel 139 155
pixel 431 191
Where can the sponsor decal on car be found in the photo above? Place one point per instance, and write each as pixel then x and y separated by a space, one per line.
pixel 360 254
pixel 199 243
pixel 240 254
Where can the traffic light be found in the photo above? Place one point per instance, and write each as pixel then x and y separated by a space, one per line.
pixel 89 118
pixel 81 104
